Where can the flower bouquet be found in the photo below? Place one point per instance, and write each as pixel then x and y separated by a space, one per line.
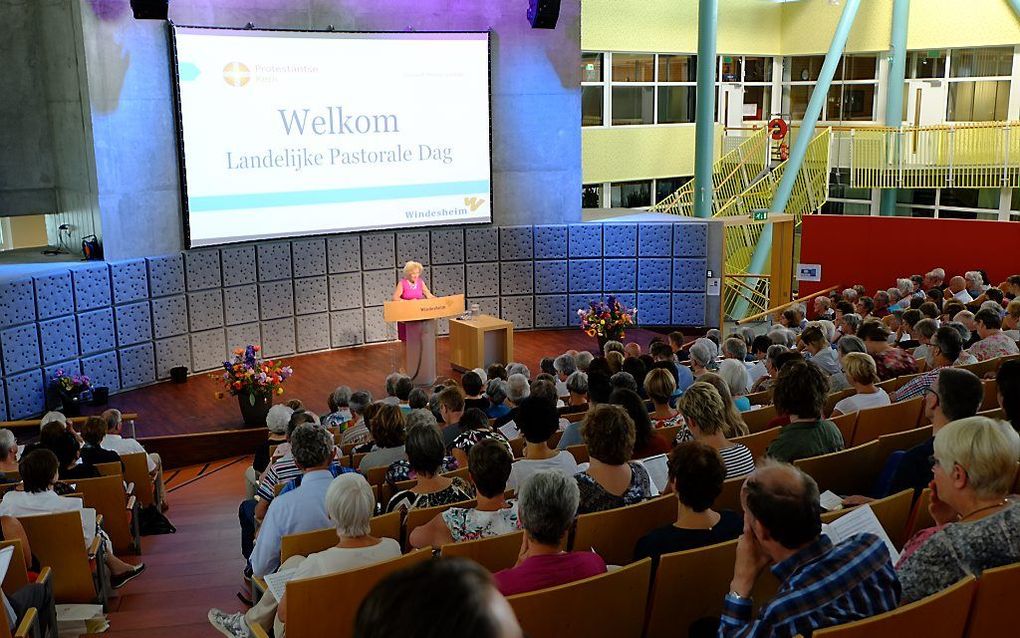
pixel 606 320
pixel 70 387
pixel 254 381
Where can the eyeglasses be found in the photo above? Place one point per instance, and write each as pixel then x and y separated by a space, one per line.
pixel 933 461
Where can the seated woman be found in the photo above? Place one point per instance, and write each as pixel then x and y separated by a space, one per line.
pixel 612 480
pixel 659 387
pixel 401 470
pixel 767 380
pixel 489 465
pixel 844 346
pixel 734 373
pixel 495 392
pixel 696 474
pixel 577 389
pixel 39 474
pixel 646 441
pixel 890 361
pixel 861 372
pixel 92 452
pixel 474 427
pixel 425 454
pixel 538 421
pixel 339 402
pixel 474 396
pixel 703 354
pixel 734 424
pixel 977 525
pixel 547 504
pixel 8 456
pixel 800 395
pixel 706 418
pixel 1011 320
pixel 68 451
pixel 387 427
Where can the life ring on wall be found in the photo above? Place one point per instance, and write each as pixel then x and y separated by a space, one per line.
pixel 778 128
pixel 784 151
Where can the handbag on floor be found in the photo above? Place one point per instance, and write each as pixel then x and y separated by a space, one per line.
pixel 151 521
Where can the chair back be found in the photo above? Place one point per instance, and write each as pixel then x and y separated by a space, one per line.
pixel 386 526
pixel 554 440
pixel 416 517
pixel 941 615
pixel 904 440
pixel 997 413
pixel 610 604
pixel 517 445
pixel 758 442
pixel 758 420
pixel 669 434
pixel 850 471
pixel 893 512
pixel 493 553
pixel 835 397
pixel 995 593
pixel 106 495
pixel 312 603
pixel 136 470
pixel 614 533
pixel 110 469
pixel 307 543
pixel 896 417
pixel 760 398
pixel 356 459
pixel 8 487
pixel 460 472
pixel 846 424
pixel 57 540
pixel 580 452
pixel 991 400
pixel 17 572
pixel 376 475
pixel 729 498
pixel 894 384
pixel 689 585
pixel 982 367
pixel 921 518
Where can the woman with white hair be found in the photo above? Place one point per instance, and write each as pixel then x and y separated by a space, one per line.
pixel 277 420
pixel 339 407
pixel 8 455
pixel 412 286
pixel 577 388
pixel 703 354
pixel 734 374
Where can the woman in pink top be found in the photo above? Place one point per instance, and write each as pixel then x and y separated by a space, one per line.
pixel 412 286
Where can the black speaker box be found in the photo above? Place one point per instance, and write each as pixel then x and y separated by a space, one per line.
pixel 150 9
pixel 543 14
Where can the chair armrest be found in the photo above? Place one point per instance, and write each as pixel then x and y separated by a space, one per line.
pixel 129 489
pixel 131 503
pixel 94 547
pixel 99 520
pixel 27 624
pixel 257 631
pixel 44 575
pixel 258 588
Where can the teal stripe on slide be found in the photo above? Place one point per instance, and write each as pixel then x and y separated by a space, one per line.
pixel 334 196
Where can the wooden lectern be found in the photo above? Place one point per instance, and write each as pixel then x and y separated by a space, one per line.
pixel 419 318
pixel 480 341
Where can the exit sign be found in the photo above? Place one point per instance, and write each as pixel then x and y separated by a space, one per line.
pixel 760 215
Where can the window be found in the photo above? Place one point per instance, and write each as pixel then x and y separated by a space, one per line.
pixel 844 200
pixel 677 104
pixel 633 67
pixel 631 194
pixel 678 68
pixel 666 186
pixel 591 196
pixel 981 63
pixel 926 65
pixel 757 69
pixel 979 84
pixel 851 95
pixel 628 89
pixel 592 90
pixel 633 105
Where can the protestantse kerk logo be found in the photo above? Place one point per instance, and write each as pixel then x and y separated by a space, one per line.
pixel 236 74
pixel 473 203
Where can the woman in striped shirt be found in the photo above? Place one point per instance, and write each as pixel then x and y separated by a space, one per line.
pixel 705 414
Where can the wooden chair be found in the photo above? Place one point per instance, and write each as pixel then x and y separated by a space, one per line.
pixel 981 367
pixel 669 434
pixel 8 487
pixel 894 384
pixel 312 603
pixel 995 593
pixel 307 543
pixel 580 452
pixel 461 473
pixel 729 498
pixel 110 469
pixel 386 526
pixel 574 417
pixel 835 397
pixel 57 541
pixel 991 400
pixel 941 615
pixel 136 470
pixel 356 459
pixel 614 533
pixel 758 442
pixel 850 471
pixel 893 512
pixel 897 417
pixel 517 445
pixel 758 420
pixel 120 512
pixel 905 440
pixel 15 579
pixel 554 440
pixel 376 475
pixel 610 604
pixel 997 413
pixel 418 517
pixel 13 475
pixel 760 398
pixel 921 518
pixel 846 423
pixel 493 553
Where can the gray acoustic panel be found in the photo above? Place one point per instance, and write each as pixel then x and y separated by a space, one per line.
pixel 312 332
pixel 137 365
pixel 481 243
pixel 376 329
pixel 171 353
pixel 654 308
pixel 443 326
pixel 59 339
pixel 53 296
pixel 166 275
pixel 240 304
pixel 130 280
pixel 447 246
pixel 91 286
pixel 17 302
pixel 516 277
pixel 347 328
pixel 278 337
pixel 688 309
pixel 274 261
pixel 343 254
pixel 516 242
pixel 169 316
pixel 482 279
pixel 378 285
pixel 690 275
pixel 208 351
pixel 551 311
pixel 413 246
pixel 551 276
pixel 97 331
pixel 619 240
pixel 25 394
pixel 311 295
pixel 239 265
pixel 655 240
pixel 242 336
pixel 690 240
pixel 20 346
pixel 551 242
pixel 205 308
pixel 518 310
pixel 276 299
pixel 448 279
pixel 486 305
pixel 345 291
pixel 619 274
pixel 378 251
pixel 585 275
pixel 103 370
pixel 134 323
pixel 202 269
pixel 309 257
pixel 585 240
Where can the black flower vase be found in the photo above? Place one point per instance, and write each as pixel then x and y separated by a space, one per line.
pixel 70 404
pixel 254 414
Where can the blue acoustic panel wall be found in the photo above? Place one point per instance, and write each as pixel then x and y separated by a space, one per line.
pixel 240 304
pixel 626 299
pixel 551 311
pixel 447 279
pixel 169 316
pixel 137 365
pixel 481 243
pixel 518 310
pixel 378 251
pixel 343 254
pixel 311 294
pixel 3 403
pixel 413 246
pixel 53 296
pixel 20 348
pixel 309 257
pixel 655 240
pixel 312 332
pixel 130 280
pixel 202 269
pixel 97 331
pixel 620 274
pixel 378 285
pixel 653 308
pixel 486 305
pixel 688 309
pixel 551 242
pixel 619 240
pixel 170 353
pixel 103 370
pixel 166 275
pixel 689 274
pixel 274 261
pixel 345 291
pixel 25 395
pixel 516 242
pixel 551 276
pixel 207 350
pixel 276 299
pixel 516 277
pixel 239 265
pixel 482 279
pixel 653 274
pixel 59 339
pixel 17 302
pixel 242 336
pixel 376 329
pixel 585 240
pixel 447 246
pixel 690 240
pixel 205 308
pixel 580 301
pixel 585 275
pixel 346 328
pixel 134 323
pixel 91 287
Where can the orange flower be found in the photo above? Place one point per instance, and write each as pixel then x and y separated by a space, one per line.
pixel 237 385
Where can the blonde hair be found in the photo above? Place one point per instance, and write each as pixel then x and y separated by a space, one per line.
pixel 987 449
pixel 659 385
pixel 734 425
pixel 412 266
pixel 702 402
pixel 861 368
pixel 1013 309
pixel 615 360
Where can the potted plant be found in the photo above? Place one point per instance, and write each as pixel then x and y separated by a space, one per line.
pixel 606 320
pixel 254 381
pixel 70 388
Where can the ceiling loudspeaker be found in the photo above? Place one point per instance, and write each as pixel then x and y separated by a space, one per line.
pixel 542 14
pixel 150 9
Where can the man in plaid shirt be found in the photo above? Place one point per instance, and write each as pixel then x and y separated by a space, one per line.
pixel 821 585
pixel 946 346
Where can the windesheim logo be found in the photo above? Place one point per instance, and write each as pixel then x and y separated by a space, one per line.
pixel 236 74
pixel 473 203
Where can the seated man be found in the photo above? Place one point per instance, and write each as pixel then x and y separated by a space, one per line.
pixel 958 290
pixel 821 585
pixel 681 373
pixel 114 441
pixel 944 347
pixel 759 349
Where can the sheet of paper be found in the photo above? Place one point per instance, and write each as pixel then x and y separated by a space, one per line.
pixel 830 501
pixel 859 521
pixel 277 582
pixel 510 430
pixel 658 470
